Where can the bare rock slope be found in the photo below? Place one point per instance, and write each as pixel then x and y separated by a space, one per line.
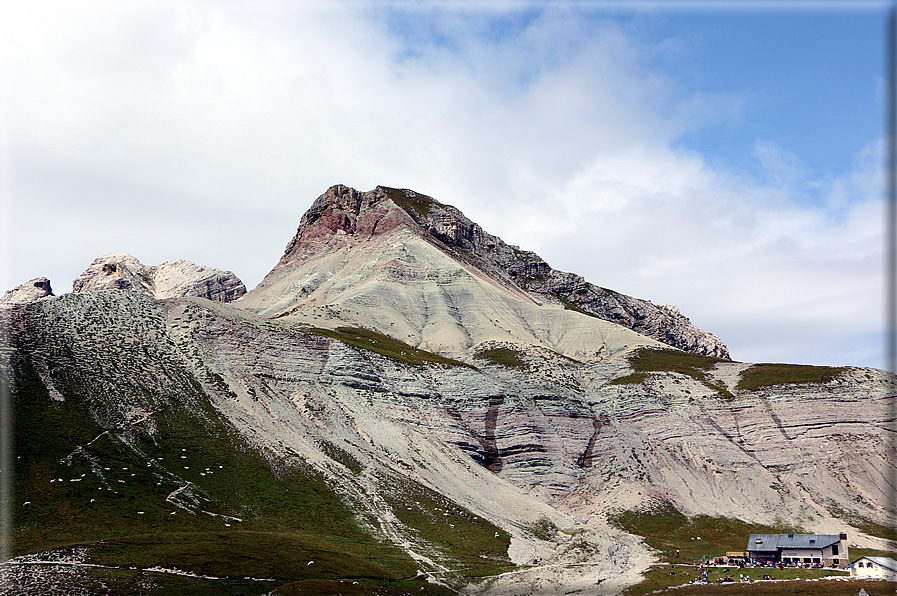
pixel 171 279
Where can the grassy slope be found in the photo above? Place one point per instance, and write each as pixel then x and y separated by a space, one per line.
pixel 476 546
pixel 502 356
pixel 647 361
pixel 288 518
pixel 384 345
pixel 766 375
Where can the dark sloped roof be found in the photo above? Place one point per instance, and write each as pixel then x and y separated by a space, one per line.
pixel 775 542
pixel 763 542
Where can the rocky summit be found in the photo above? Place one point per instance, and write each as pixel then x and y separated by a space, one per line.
pixel 29 291
pixel 354 250
pixel 405 404
pixel 172 279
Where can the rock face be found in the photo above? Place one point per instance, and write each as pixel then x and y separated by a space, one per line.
pixel 344 219
pixel 27 292
pixel 172 279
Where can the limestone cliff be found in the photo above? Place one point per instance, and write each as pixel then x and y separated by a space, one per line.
pixel 172 279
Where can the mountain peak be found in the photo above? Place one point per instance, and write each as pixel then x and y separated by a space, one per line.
pixel 196 423
pixel 341 211
pixel 353 249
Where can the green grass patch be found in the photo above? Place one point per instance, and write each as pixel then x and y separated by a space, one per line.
pixel 570 306
pixel 658 579
pixel 137 582
pixel 766 375
pixel 281 556
pixel 341 456
pixel 363 588
pixel 686 363
pixel 543 529
pixel 719 389
pixel 415 205
pixel 384 345
pixel 502 356
pixel 650 360
pixel 856 552
pixel 632 378
pixel 863 523
pixel 140 582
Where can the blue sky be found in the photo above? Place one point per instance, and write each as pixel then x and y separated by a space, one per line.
pixel 809 82
pixel 723 157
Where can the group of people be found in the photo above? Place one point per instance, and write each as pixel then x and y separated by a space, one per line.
pixel 725 578
pixel 804 565
pixel 759 563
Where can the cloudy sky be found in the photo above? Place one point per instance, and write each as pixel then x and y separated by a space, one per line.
pixel 722 157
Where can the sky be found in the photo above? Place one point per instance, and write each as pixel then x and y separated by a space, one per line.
pixel 724 157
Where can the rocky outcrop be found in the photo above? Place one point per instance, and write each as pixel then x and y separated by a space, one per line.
pixel 172 279
pixel 339 215
pixel 115 271
pixel 30 291
pixel 344 217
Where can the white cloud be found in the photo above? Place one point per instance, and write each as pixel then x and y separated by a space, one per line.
pixel 782 167
pixel 745 261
